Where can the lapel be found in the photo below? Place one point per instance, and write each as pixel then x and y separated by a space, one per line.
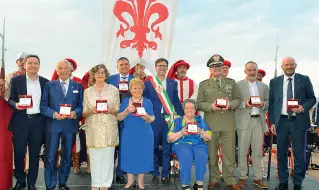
pixel 118 78
pixel 296 85
pixel 130 77
pixel 246 86
pixel 168 86
pixel 24 85
pixel 70 89
pixel 58 88
pixel 280 85
pixel 212 83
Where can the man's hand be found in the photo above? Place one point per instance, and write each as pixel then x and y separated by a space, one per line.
pixel 57 116
pixel 214 107
pixel 248 105
pixel 273 129
pixel 298 110
pixel 19 108
pixel 261 104
pixel 72 115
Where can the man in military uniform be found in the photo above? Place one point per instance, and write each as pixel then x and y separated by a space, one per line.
pixel 220 120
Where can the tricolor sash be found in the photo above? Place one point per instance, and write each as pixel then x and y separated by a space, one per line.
pixel 166 102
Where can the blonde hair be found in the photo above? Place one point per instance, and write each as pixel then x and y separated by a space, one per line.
pixel 135 82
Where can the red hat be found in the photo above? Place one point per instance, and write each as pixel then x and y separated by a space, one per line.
pixel 85 80
pixel 228 63
pixel 262 72
pixel 55 75
pixel 72 62
pixel 172 71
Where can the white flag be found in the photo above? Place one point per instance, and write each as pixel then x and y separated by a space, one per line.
pixel 141 30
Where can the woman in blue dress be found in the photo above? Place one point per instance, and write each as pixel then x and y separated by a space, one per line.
pixel 137 142
pixel 189 135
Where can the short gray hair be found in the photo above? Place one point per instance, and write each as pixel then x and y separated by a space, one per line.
pixel 192 101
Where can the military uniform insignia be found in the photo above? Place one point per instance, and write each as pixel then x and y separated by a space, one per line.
pixel 228 88
pixel 216 58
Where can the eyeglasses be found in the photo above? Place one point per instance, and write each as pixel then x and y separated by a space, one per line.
pixel 162 66
pixel 216 66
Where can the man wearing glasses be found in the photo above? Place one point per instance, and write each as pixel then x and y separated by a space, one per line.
pixel 218 97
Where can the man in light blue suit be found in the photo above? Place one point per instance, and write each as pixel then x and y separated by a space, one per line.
pixel 61 125
pixel 286 122
pixel 159 126
pixel 121 81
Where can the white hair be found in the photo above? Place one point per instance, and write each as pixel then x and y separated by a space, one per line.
pixel 64 61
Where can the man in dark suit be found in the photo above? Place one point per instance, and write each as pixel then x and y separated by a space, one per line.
pixel 159 125
pixel 287 121
pixel 62 105
pixel 27 124
pixel 121 81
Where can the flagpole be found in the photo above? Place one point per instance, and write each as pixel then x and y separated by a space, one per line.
pixel 2 74
pixel 271 135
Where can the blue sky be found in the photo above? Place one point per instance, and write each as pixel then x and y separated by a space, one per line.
pixel 239 30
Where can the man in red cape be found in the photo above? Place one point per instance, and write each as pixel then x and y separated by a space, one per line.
pixel 187 88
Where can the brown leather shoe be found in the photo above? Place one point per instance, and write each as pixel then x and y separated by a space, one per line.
pixel 260 183
pixel 76 162
pixel 234 187
pixel 242 183
pixel 212 185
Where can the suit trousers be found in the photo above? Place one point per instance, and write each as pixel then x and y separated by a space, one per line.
pixel 286 128
pixel 31 135
pixel 227 139
pixel 102 165
pixel 52 145
pixel 253 135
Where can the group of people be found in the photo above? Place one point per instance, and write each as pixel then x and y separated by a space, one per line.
pixel 141 114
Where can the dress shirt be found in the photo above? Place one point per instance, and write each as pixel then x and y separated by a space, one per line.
pixel 121 77
pixel 34 89
pixel 284 93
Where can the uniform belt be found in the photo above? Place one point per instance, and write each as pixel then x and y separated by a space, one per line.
pixel 290 117
pixel 33 115
pixel 255 116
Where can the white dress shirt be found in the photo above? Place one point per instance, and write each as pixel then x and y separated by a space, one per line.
pixel 121 77
pixel 284 93
pixel 34 89
pixel 253 90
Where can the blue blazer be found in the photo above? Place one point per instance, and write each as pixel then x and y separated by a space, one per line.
pixel 171 89
pixel 114 79
pixel 18 86
pixel 52 98
pixel 303 91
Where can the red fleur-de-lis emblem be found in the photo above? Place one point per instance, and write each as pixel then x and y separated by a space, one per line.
pixel 141 12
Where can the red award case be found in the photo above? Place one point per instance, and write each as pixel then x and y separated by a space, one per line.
pixel 101 102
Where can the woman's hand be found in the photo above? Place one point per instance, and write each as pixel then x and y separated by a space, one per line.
pixel 184 131
pixel 146 117
pixel 130 109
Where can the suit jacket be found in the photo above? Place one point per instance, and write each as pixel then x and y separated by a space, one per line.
pixel 114 80
pixel 243 114
pixel 171 89
pixel 303 91
pixel 18 86
pixel 208 92
pixel 52 98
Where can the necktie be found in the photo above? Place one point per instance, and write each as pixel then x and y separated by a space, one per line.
pixel 218 82
pixel 63 88
pixel 124 78
pixel 289 92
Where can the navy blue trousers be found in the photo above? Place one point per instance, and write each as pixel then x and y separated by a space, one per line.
pixel 285 129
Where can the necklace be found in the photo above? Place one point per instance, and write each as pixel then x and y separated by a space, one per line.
pixel 137 101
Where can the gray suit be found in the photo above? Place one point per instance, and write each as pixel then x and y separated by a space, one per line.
pixel 251 129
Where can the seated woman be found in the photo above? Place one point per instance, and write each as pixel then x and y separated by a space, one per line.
pixel 190 146
pixel 137 141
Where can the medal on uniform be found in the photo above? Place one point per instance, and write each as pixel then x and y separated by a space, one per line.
pixel 65 109
pixel 25 101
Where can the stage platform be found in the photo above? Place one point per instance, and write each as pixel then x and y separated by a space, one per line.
pixel 82 182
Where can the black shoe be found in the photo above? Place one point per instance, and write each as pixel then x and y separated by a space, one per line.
pixel 155 180
pixel 19 186
pixel 196 186
pixel 282 186
pixel 32 187
pixel 63 187
pixel 121 180
pixel 297 187
pixel 186 188
pixel 130 187
pixel 165 180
